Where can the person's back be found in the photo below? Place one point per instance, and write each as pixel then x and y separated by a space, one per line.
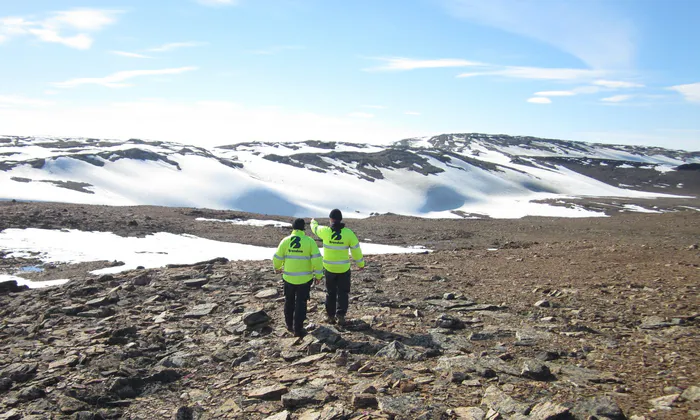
pixel 338 243
pixel 300 259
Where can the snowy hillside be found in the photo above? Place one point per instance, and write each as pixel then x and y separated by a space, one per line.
pixel 455 175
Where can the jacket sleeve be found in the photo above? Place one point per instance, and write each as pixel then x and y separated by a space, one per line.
pixel 321 232
pixel 316 260
pixel 356 251
pixel 278 258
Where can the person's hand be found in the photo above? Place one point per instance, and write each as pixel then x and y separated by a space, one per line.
pixel 317 282
pixel 362 268
pixel 280 271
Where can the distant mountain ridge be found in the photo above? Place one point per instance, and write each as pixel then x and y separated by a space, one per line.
pixel 450 175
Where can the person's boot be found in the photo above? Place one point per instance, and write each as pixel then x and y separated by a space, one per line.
pixel 330 319
pixel 341 320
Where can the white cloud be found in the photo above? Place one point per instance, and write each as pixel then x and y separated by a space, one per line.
pixel 218 2
pixel 80 41
pixel 374 106
pixel 403 64
pixel 53 28
pixel 412 113
pixel 51 92
pixel 175 45
pixel 198 123
pixel 616 84
pixel 691 91
pixel 130 54
pixel 360 115
pixel 115 80
pixel 556 93
pixel 589 30
pixel 11 101
pixel 617 98
pixel 538 73
pixel 83 19
pixel 539 100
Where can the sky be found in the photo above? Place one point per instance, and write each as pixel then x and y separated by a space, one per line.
pixel 212 72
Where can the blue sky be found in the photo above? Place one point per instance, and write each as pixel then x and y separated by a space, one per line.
pixel 221 71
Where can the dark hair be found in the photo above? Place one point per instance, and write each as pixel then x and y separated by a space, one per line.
pixel 336 215
pixel 299 224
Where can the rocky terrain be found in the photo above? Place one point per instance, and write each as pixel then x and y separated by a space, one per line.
pixel 534 318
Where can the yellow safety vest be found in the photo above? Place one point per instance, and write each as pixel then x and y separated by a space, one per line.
pixel 300 257
pixel 335 248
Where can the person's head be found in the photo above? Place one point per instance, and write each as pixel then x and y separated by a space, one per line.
pixel 335 216
pixel 299 224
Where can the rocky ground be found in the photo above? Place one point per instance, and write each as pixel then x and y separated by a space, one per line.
pixel 535 318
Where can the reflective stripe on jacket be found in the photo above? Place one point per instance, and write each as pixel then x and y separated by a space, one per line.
pixel 300 257
pixel 336 246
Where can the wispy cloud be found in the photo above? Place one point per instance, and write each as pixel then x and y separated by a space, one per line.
pixel 412 113
pixel 403 63
pixel 60 27
pixel 219 2
pixel 566 26
pixel 116 80
pixel 538 73
pixel 11 101
pixel 617 84
pixel 277 49
pixel 617 98
pixel 175 45
pixel 539 100
pixel 360 115
pixel 130 54
pixel 691 91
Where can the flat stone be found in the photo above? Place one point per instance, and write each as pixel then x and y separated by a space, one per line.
pixel 195 282
pixel 199 311
pixel 31 393
pixel 303 396
pixel 256 319
pixel 309 360
pixel 272 392
pixel 599 407
pixel 267 294
pixel 399 351
pixel 692 393
pixel 664 402
pixel 282 415
pixel 536 370
pixel 469 413
pixel 503 403
pixel 363 400
pixel 19 372
pixel 100 301
pixel 69 361
pixel 404 405
pixel 549 411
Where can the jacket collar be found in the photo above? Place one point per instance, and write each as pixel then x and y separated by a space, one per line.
pixel 298 232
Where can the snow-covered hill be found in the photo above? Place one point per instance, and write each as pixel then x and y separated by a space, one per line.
pixel 452 175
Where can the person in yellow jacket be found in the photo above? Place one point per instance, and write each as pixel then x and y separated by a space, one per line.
pixel 299 260
pixel 337 241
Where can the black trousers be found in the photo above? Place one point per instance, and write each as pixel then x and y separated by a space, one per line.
pixel 295 297
pixel 337 292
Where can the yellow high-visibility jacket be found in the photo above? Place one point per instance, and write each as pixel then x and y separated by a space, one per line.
pixel 300 257
pixel 336 246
